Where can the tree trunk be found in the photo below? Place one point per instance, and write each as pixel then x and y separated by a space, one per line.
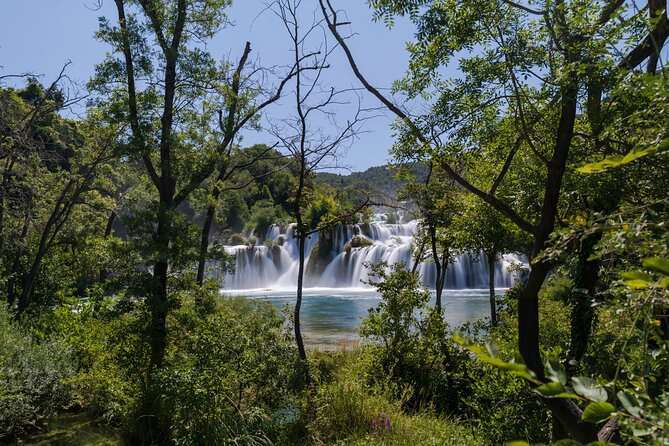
pixel 108 230
pixel 582 311
pixel 159 297
pixel 204 240
pixel 55 221
pixel 418 258
pixel 298 305
pixel 16 263
pixel 491 285
pixel 566 411
pixel 439 285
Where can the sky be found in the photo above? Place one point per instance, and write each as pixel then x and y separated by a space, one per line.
pixel 40 36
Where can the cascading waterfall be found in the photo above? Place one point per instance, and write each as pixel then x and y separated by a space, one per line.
pixel 272 263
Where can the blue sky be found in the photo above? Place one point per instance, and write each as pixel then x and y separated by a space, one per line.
pixel 39 36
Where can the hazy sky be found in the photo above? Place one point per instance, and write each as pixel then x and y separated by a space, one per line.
pixel 39 36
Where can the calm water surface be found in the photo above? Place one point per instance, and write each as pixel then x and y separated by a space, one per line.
pixel 331 316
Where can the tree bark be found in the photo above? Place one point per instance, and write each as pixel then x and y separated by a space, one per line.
pixel 491 284
pixel 582 311
pixel 298 306
pixel 108 230
pixel 204 239
pixel 439 281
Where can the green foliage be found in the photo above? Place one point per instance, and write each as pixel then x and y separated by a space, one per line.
pixel 410 344
pixel 34 378
pixel 264 213
pixel 351 412
pixel 229 374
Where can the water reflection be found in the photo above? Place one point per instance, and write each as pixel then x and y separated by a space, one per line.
pixel 332 316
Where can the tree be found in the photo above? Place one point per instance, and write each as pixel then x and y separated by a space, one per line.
pixel 311 149
pixel 478 229
pixel 531 65
pixel 436 200
pixel 51 167
pixel 162 71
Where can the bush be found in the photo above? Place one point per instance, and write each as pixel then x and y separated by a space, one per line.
pixel 33 378
pixel 105 338
pixel 229 375
pixel 411 346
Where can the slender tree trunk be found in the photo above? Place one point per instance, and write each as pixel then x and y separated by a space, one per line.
pixel 418 258
pixel 204 240
pixel 439 281
pixel 108 230
pixel 491 285
pixel 298 306
pixel 159 298
pixel 582 310
pixel 14 272
pixel 54 221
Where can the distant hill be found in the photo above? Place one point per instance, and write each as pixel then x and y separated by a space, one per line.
pixel 380 180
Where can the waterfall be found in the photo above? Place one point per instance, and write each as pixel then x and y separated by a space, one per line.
pixel 272 263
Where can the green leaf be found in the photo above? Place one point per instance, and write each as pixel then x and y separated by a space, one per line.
pixel 517 443
pixel 597 412
pixel 630 403
pixel 556 373
pixel 551 389
pixel 636 275
pixel 589 389
pixel 657 264
pixel 637 284
pixel 620 160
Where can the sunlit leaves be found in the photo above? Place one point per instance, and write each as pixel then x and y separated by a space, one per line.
pixel 621 160
pixel 597 411
pixel 587 388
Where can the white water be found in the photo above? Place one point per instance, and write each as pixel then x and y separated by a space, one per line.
pixel 273 262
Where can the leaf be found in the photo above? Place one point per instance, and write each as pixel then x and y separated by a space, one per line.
pixel 556 373
pixel 517 443
pixel 621 160
pixel 567 442
pixel 551 389
pixel 630 403
pixel 636 275
pixel 637 284
pixel 657 264
pixel 487 355
pixel 589 389
pixel 597 412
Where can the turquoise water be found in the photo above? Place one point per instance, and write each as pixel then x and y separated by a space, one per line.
pixel 331 316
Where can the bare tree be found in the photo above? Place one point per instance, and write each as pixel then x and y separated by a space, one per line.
pixel 302 136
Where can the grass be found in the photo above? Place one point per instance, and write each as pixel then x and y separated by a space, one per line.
pixel 348 412
pixel 74 429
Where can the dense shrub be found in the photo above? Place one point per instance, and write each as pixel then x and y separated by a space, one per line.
pixel 33 378
pixel 229 375
pixel 411 346
pixel 105 339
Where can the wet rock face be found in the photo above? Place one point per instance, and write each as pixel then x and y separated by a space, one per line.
pixel 358 241
pixel 319 259
pixel 237 239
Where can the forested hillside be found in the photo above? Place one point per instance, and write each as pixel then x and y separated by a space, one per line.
pixel 387 181
pixel 531 144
